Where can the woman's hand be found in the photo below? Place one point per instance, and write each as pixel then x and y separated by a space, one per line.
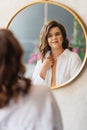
pixel 47 63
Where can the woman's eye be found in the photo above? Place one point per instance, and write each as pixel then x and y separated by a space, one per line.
pixel 58 33
pixel 49 36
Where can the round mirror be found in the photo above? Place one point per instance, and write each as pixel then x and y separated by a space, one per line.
pixel 27 22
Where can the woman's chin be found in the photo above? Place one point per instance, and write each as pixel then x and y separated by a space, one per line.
pixel 55 47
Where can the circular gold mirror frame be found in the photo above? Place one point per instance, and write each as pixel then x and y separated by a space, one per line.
pixel 77 18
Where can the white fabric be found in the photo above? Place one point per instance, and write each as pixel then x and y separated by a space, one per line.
pixel 68 64
pixel 37 111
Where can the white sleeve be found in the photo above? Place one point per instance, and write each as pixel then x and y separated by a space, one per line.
pixel 52 114
pixel 75 64
pixel 48 115
pixel 36 79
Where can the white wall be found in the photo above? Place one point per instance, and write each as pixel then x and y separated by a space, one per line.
pixel 72 98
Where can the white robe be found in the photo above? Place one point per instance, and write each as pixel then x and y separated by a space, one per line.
pixel 68 64
pixel 36 111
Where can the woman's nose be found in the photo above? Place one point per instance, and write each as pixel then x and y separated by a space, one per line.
pixel 54 36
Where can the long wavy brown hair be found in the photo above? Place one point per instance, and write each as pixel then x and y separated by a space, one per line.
pixel 12 81
pixel 44 46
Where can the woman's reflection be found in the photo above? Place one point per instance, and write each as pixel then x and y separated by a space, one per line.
pixel 57 63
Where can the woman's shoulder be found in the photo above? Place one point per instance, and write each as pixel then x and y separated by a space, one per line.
pixel 40 91
pixel 74 58
pixel 34 110
pixel 71 53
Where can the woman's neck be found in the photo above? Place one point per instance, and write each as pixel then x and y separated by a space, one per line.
pixel 57 53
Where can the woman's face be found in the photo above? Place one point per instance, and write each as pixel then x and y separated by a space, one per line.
pixel 55 38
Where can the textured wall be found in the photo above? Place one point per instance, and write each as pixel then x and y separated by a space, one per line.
pixel 72 98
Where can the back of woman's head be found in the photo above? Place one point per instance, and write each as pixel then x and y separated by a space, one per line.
pixel 44 46
pixel 11 66
pixel 10 55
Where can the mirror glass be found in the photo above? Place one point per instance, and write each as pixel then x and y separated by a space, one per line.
pixel 28 21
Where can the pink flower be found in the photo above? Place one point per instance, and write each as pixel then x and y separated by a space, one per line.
pixel 38 56
pixel 35 55
pixel 76 50
pixel 30 61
